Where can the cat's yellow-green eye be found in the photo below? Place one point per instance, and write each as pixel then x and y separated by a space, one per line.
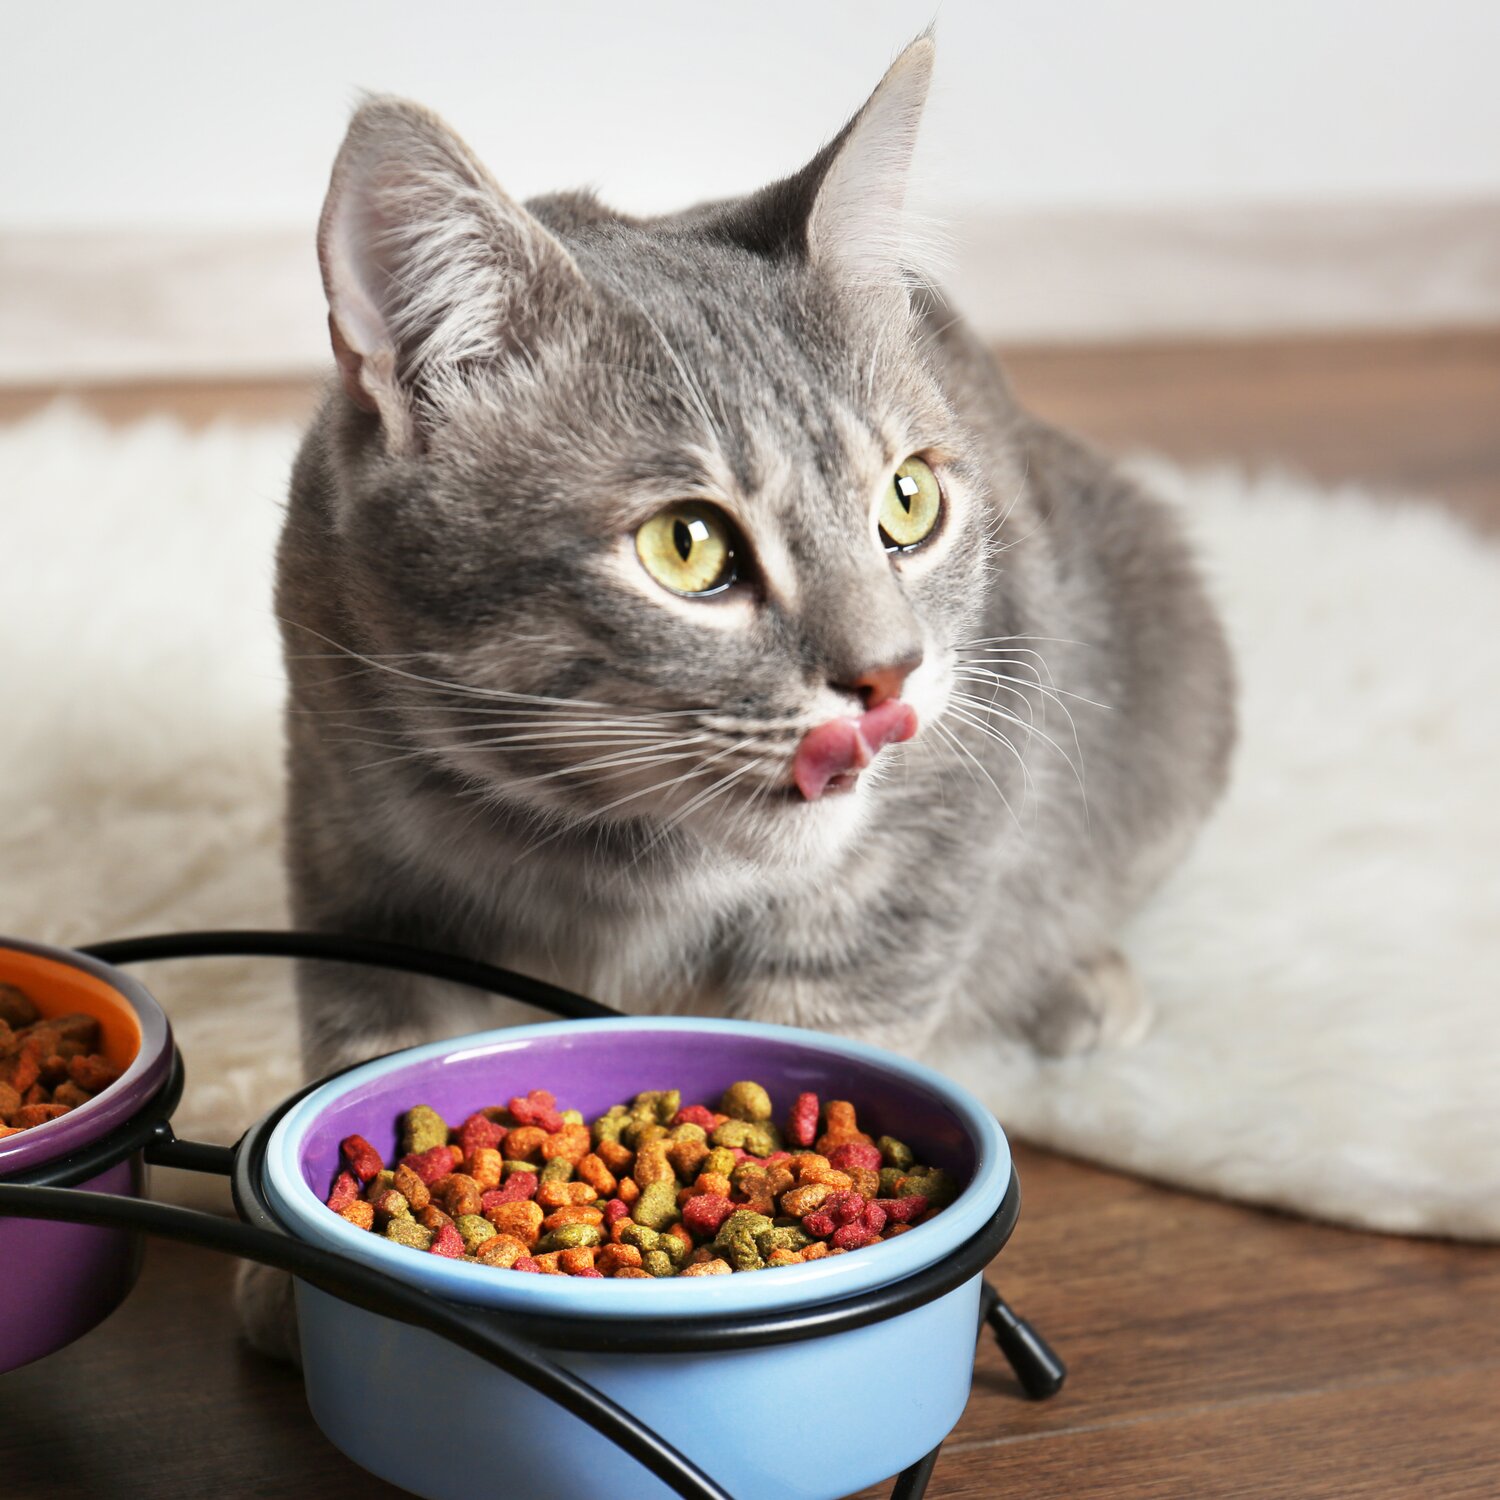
pixel 688 548
pixel 910 507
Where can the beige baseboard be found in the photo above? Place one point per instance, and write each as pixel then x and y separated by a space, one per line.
pixel 104 307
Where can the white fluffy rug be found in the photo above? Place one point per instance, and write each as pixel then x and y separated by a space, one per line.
pixel 1326 968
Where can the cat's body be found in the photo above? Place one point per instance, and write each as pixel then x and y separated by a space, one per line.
pixel 457 550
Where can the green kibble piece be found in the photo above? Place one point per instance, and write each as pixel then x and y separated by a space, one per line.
pixel 657 1206
pixel 758 1138
pixel 658 1263
pixel 572 1237
pixel 382 1182
pixel 782 1237
pixel 721 1161
pixel 889 1177
pixel 658 1104
pixel 676 1251
pixel 510 1168
pixel 422 1128
pixel 736 1239
pixel 895 1153
pixel 933 1183
pixel 475 1230
pixel 637 1234
pixel 688 1131
pixel 557 1170
pixel 638 1133
pixel 408 1232
pixel 609 1125
pixel 746 1101
pixel 572 1117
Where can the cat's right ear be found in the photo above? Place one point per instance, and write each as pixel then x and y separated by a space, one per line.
pixel 429 268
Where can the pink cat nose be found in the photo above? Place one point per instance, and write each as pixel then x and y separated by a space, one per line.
pixel 830 757
pixel 877 685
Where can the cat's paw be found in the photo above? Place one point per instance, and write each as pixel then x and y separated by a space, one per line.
pixel 1099 1004
pixel 267 1312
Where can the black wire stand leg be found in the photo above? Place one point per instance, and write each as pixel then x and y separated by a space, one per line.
pixel 1036 1366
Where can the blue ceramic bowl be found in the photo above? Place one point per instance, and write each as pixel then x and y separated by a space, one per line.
pixel 816 1419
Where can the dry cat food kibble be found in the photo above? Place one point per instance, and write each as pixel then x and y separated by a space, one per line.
pixel 650 1189
pixel 48 1064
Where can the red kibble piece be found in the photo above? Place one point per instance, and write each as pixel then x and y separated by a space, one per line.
pixel 615 1210
pixel 705 1212
pixel 873 1218
pixel 517 1186
pixel 844 1208
pixel 537 1108
pixel 855 1154
pixel 479 1133
pixel 364 1160
pixel 431 1164
pixel 527 1263
pixel 852 1237
pixel 775 1159
pixel 802 1122
pixel 819 1225
pixel 903 1210
pixel 697 1114
pixel 586 1271
pixel 448 1243
pixel 345 1191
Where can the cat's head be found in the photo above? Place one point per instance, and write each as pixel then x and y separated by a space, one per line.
pixel 665 521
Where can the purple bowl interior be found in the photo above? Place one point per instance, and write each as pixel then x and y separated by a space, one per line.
pixel 590 1068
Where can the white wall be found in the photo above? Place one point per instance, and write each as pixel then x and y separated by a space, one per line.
pixel 190 114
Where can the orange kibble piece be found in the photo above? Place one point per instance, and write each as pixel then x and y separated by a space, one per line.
pixel 591 1169
pixel 651 1165
pixel 681 1232
pixel 617 1157
pixel 572 1213
pixel 715 1267
pixel 502 1250
pixel 412 1188
pixel 548 1264
pixel 612 1259
pixel 564 1194
pixel 522 1218
pixel 456 1194
pixel 635 1273
pixel 524 1143
pixel 627 1192
pixel 360 1214
pixel 580 1258
pixel 484 1165
pixel 571 1144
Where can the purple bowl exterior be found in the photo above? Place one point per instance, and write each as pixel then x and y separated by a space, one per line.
pixel 123 1098
pixel 589 1070
pixel 57 1281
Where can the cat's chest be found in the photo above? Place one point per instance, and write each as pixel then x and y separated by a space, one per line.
pixel 651 944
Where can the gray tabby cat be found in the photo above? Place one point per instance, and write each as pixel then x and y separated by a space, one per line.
pixel 683 609
pixel 619 534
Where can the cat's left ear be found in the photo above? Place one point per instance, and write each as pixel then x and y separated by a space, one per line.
pixel 431 270
pixel 857 224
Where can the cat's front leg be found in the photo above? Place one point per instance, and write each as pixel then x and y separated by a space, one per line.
pixel 1099 1003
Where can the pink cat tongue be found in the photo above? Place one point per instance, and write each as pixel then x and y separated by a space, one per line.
pixel 830 757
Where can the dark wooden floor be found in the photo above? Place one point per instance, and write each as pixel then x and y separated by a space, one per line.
pixel 1215 1351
